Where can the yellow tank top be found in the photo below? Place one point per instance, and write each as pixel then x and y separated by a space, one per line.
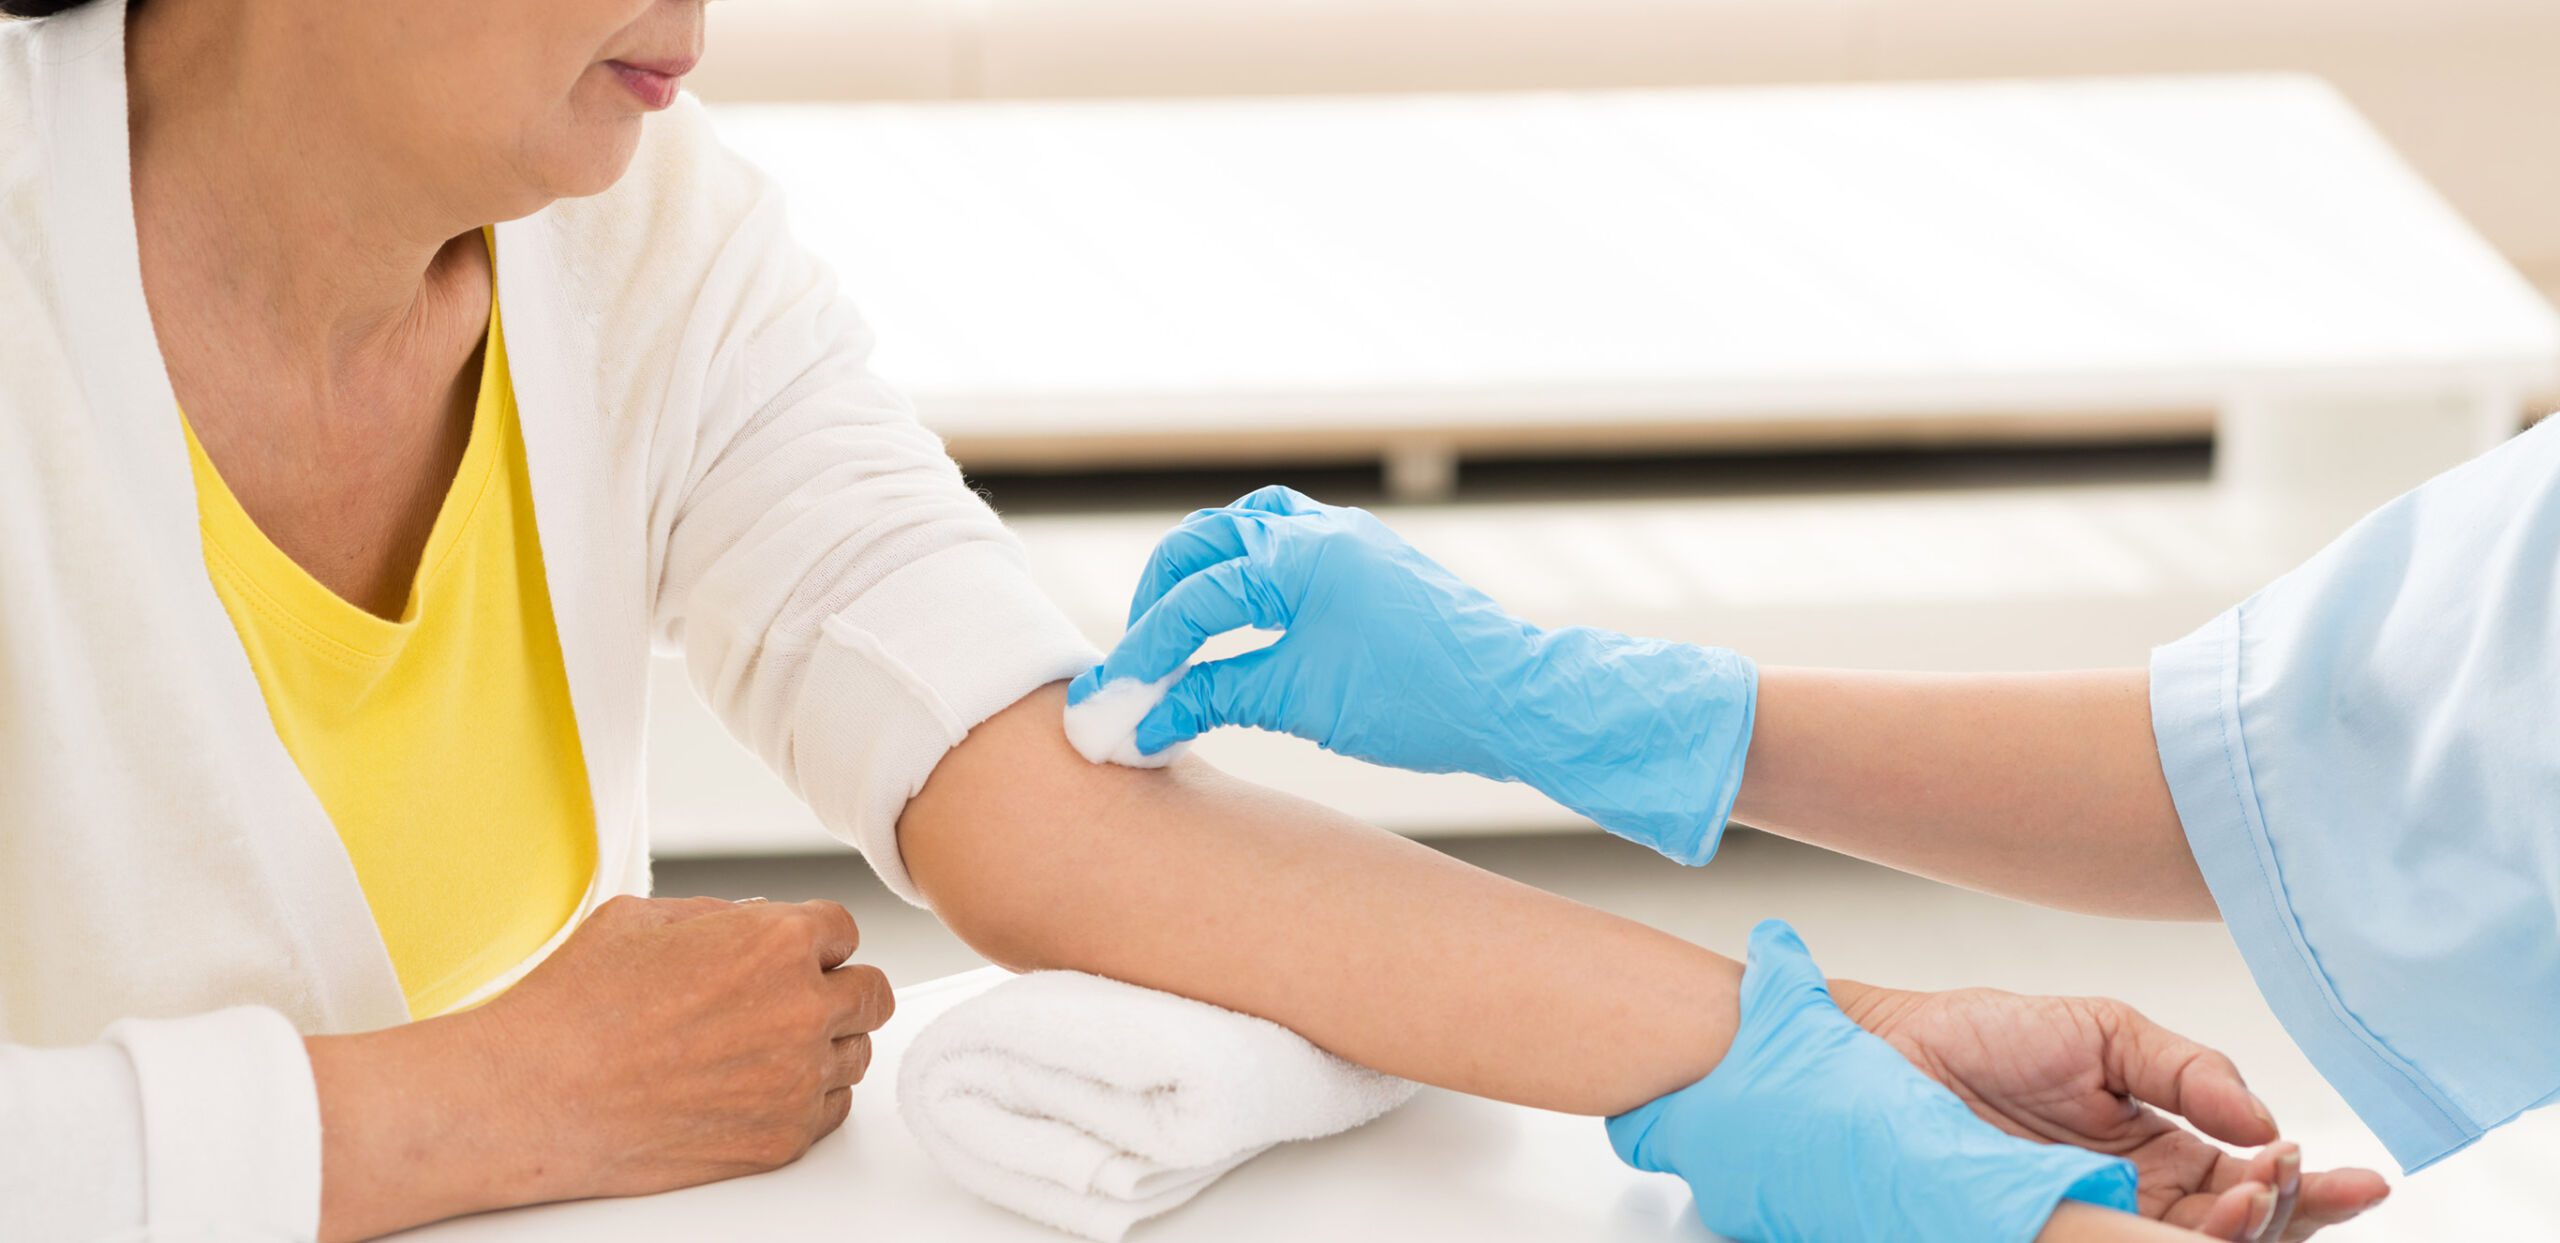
pixel 443 744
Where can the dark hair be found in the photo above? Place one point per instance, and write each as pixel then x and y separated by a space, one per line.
pixel 37 8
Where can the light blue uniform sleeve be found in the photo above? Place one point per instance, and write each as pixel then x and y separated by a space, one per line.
pixel 2366 757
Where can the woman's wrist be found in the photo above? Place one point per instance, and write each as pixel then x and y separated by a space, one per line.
pixel 2075 1222
pixel 1871 1006
pixel 430 1120
pixel 1853 998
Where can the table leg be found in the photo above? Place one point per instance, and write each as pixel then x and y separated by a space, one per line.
pixel 1421 471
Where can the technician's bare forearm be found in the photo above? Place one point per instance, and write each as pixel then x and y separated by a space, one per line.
pixel 2045 787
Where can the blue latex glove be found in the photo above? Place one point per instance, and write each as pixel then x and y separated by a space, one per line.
pixel 1391 659
pixel 1814 1129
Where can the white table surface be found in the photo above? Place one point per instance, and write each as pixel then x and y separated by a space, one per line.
pixel 1443 1167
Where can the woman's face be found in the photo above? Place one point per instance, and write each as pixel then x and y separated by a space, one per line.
pixel 530 100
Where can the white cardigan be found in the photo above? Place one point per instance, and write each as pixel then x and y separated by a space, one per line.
pixel 713 467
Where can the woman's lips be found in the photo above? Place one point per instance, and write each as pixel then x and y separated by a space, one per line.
pixel 654 83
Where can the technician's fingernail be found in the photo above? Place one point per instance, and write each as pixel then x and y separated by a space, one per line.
pixel 2262 1212
pixel 2259 1108
pixel 2289 1168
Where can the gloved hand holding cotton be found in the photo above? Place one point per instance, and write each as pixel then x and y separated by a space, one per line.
pixel 1091 1105
pixel 1386 656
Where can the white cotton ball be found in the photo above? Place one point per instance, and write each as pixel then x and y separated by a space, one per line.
pixel 1104 728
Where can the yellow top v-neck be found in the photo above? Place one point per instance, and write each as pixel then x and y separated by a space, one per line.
pixel 442 744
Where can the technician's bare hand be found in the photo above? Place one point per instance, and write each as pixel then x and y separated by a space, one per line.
pixel 2095 1073
pixel 666 1043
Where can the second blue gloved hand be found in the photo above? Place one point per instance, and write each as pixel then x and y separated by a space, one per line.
pixel 1812 1130
pixel 1390 658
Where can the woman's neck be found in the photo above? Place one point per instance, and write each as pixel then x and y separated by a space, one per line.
pixel 260 199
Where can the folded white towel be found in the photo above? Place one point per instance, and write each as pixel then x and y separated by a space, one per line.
pixel 1091 1105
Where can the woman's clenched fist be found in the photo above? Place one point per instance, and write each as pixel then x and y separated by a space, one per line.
pixel 677 1042
pixel 665 1043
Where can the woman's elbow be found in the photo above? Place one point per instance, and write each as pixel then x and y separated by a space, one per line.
pixel 1007 835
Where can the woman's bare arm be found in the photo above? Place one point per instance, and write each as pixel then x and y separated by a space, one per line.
pixel 1186 880
pixel 2045 787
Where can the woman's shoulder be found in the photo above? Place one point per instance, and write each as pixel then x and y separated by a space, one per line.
pixel 21 208
pixel 17 96
pixel 29 346
pixel 38 56
pixel 18 41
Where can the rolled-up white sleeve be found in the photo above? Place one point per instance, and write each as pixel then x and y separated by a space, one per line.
pixel 203 1125
pixel 905 673
pixel 846 604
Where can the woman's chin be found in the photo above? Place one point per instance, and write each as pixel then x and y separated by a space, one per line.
pixel 593 159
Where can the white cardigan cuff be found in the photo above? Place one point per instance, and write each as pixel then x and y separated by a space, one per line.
pixel 230 1122
pixel 906 672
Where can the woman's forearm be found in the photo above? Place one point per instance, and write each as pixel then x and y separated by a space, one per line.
pixel 1192 882
pixel 2084 1223
pixel 410 1132
pixel 2045 787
